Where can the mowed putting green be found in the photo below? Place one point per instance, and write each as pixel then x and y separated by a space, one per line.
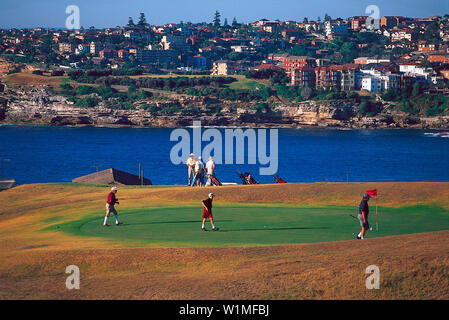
pixel 254 225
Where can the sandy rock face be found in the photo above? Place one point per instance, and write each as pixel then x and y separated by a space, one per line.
pixel 39 105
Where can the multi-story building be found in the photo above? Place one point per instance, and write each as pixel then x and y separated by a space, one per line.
pixel 178 43
pixel 199 62
pixel 95 48
pixel 291 63
pixel 157 57
pixel 338 77
pixel 377 81
pixel 223 67
pixel 337 27
pixel 304 77
pixel 358 23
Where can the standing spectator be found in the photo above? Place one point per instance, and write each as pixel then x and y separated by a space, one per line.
pixel 190 163
pixel 199 172
pixel 210 170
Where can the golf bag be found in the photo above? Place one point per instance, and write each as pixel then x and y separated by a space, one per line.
pixel 215 181
pixel 278 179
pixel 194 180
pixel 246 178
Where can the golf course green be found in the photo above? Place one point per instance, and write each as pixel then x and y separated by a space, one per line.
pixel 240 225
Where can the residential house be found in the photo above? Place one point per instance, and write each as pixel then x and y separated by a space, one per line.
pixel 388 22
pixel 445 73
pixel 291 33
pixel 241 48
pixel 402 34
pixel 123 53
pixel 442 58
pixel 82 48
pixel 424 46
pixel 66 47
pixel 108 53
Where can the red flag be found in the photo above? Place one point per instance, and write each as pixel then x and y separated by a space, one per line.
pixel 372 193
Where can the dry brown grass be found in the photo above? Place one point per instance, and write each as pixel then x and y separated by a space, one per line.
pixel 29 79
pixel 411 266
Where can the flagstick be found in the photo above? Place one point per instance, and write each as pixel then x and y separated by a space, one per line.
pixel 377 218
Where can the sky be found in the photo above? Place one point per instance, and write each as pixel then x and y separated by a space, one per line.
pixel 111 13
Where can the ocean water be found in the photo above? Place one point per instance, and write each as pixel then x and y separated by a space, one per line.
pixel 60 154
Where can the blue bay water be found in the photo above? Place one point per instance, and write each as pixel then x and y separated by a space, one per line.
pixel 60 154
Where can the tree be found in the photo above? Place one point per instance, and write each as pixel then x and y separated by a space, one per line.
pixel 225 23
pixel 217 21
pixel 306 93
pixel 142 20
pixel 318 20
pixel 235 23
pixel 305 20
pixel 130 22
pixel 416 89
pixel 298 50
pixel 327 17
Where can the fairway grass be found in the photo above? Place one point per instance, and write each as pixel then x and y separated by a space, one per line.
pixel 255 225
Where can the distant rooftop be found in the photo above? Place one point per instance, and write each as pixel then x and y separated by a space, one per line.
pixel 112 176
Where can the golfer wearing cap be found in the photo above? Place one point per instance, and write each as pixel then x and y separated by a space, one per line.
pixel 363 215
pixel 199 172
pixel 190 163
pixel 112 200
pixel 207 212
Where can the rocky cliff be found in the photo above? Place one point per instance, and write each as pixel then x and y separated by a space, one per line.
pixel 39 105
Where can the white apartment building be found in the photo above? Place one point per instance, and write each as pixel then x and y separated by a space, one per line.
pixel 378 81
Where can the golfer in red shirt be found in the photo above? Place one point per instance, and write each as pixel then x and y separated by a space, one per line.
pixel 207 212
pixel 111 201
